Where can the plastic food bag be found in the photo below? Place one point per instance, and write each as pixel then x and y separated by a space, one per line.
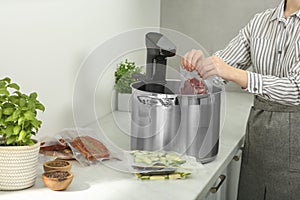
pixel 86 146
pixel 157 165
pixel 52 148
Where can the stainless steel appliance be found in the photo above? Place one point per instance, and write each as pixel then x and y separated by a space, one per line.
pixel 164 119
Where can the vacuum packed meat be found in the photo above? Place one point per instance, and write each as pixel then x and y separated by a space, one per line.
pixel 90 147
pixel 58 149
pixel 194 86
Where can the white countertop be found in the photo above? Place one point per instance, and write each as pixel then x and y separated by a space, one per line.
pixel 102 182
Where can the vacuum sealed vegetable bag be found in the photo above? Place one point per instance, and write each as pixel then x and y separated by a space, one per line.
pixel 159 165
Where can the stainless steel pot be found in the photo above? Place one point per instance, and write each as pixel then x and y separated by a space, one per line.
pixel 163 119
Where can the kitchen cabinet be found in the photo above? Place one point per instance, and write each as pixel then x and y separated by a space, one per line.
pixel 233 174
pixel 218 191
pixel 226 185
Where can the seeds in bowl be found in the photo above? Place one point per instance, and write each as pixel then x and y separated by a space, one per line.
pixel 60 175
pixel 58 164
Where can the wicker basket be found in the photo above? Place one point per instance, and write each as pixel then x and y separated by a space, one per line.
pixel 18 166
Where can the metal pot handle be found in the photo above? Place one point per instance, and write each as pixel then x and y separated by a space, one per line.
pixel 154 101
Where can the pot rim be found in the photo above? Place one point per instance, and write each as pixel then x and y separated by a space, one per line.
pixel 219 90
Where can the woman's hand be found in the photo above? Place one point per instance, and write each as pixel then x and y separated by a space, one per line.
pixel 213 65
pixel 191 60
pixel 195 60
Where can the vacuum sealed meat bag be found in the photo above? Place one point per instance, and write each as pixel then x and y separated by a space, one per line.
pixel 194 86
pixel 57 149
pixel 86 146
pixel 91 148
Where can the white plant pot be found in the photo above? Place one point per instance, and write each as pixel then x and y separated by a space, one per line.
pixel 18 166
pixel 124 102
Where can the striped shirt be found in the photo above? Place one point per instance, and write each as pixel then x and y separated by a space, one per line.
pixel 271 44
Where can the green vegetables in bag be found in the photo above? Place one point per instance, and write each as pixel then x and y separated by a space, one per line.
pixel 176 175
pixel 169 159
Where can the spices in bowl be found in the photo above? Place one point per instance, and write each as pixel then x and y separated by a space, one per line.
pixel 57 180
pixel 61 165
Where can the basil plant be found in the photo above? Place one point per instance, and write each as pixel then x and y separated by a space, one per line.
pixel 18 115
pixel 123 76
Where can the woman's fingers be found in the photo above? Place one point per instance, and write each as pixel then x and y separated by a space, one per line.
pixel 209 72
pixel 182 61
pixel 189 57
pixel 190 60
pixel 204 65
pixel 196 59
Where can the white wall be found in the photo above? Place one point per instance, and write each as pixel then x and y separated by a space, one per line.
pixel 44 42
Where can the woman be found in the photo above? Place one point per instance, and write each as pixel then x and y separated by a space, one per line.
pixel 271 44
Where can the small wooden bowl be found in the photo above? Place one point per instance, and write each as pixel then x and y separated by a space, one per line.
pixel 61 165
pixel 57 180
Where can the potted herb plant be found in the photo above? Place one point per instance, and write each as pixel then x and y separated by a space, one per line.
pixel 18 124
pixel 123 80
